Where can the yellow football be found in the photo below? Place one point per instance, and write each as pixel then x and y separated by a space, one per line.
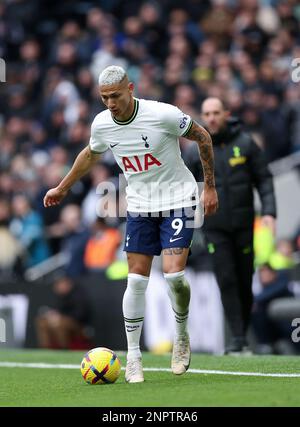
pixel 100 366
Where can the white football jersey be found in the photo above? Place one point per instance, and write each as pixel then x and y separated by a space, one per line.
pixel 146 147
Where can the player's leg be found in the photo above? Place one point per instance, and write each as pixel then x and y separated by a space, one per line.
pixel 176 237
pixel 140 247
pixel 174 261
pixel 139 266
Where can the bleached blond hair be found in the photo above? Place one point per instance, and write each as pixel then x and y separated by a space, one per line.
pixel 111 75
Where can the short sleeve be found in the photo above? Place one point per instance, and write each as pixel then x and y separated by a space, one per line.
pixel 95 143
pixel 174 120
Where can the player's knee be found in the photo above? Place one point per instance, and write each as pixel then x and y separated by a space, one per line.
pixel 140 265
pixel 139 270
pixel 176 280
pixel 137 283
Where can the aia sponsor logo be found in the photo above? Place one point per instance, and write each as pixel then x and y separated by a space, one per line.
pixel 140 164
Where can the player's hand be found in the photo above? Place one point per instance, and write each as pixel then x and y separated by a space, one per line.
pixel 270 222
pixel 54 196
pixel 209 200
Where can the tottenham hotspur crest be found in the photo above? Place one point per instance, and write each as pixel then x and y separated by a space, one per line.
pixel 144 138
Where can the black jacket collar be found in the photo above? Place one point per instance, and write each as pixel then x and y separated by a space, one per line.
pixel 226 135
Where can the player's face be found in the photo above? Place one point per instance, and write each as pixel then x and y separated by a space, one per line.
pixel 118 99
pixel 214 116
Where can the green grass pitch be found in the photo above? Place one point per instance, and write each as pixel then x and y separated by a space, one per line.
pixel 23 386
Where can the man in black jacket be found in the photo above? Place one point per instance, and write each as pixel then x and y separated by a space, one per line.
pixel 239 166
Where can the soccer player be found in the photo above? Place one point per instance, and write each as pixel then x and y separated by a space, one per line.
pixel 143 136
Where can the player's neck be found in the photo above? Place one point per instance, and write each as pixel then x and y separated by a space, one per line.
pixel 128 112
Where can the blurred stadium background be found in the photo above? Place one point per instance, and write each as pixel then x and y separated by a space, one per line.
pixel 175 51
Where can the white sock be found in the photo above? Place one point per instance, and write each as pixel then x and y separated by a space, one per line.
pixel 179 294
pixel 134 311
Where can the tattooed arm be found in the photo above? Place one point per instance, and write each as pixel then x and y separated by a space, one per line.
pixel 201 136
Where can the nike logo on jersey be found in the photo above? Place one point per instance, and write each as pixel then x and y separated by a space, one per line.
pixel 113 145
pixel 174 240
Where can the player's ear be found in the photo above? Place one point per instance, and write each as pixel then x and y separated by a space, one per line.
pixel 131 87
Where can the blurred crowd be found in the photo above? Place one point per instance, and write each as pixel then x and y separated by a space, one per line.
pixel 175 51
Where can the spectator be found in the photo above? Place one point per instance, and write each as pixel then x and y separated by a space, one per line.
pixel 10 249
pixel 91 204
pixel 74 238
pixel 268 331
pixel 102 246
pixel 274 129
pixel 279 255
pixel 59 326
pixel 27 227
pixel 218 23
